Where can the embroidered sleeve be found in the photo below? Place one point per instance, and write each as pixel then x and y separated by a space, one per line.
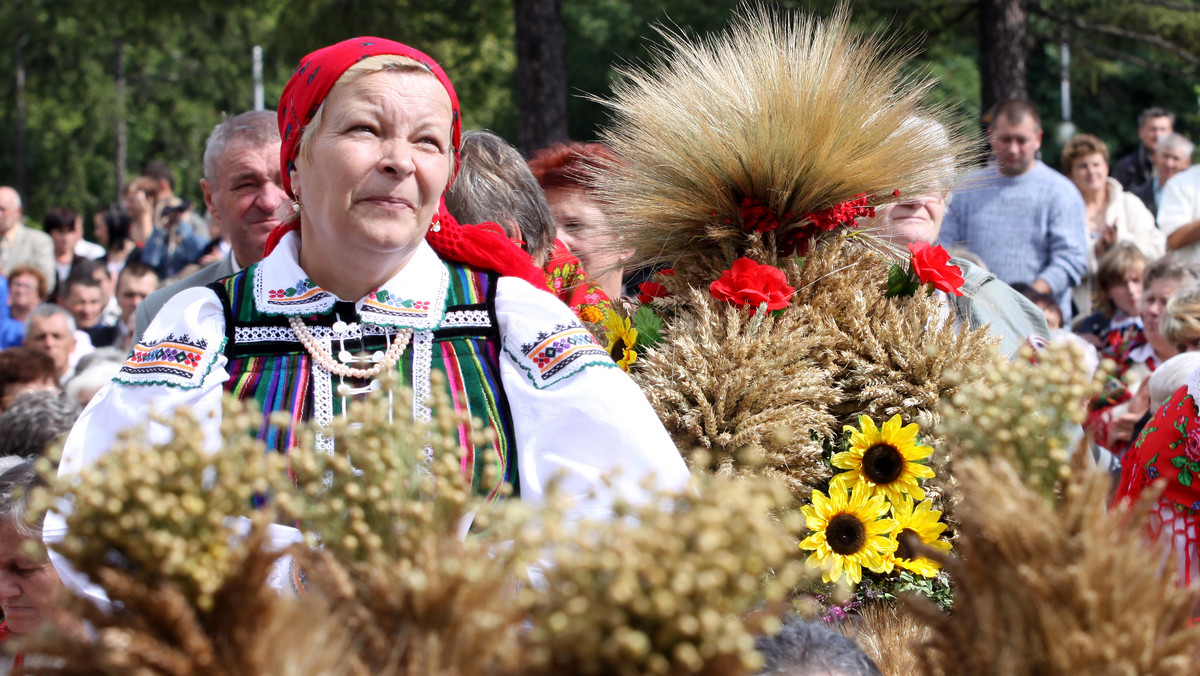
pixel 555 354
pixel 575 415
pixel 181 345
pixel 178 362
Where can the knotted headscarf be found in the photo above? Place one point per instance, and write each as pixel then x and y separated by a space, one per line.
pixel 483 246
pixel 317 74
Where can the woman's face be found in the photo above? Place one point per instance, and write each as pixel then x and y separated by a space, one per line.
pixel 377 165
pixel 1090 173
pixel 23 291
pixel 1127 295
pixel 29 588
pixel 1154 303
pixel 578 218
pixel 914 220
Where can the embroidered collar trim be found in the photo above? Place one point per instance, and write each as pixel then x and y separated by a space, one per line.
pixel 414 298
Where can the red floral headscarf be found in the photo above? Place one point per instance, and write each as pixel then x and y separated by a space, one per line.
pixel 317 74
pixel 483 246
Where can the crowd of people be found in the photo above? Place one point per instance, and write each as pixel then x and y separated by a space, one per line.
pixel 336 221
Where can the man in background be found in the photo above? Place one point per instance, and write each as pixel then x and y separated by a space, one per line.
pixel 243 189
pixel 21 245
pixel 1136 167
pixel 1023 219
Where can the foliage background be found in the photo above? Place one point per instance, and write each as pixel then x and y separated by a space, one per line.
pixel 188 65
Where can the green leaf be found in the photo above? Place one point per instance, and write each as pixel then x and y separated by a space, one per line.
pixel 1185 477
pixel 1179 461
pixel 649 326
pixel 901 282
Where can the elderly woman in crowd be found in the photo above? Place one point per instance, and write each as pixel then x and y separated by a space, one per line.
pixel 563 171
pixel 1169 447
pixel 1113 215
pixel 372 263
pixel 30 589
pixel 986 301
pixel 494 184
pixel 27 289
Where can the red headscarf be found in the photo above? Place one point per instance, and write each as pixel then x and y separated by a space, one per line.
pixel 482 247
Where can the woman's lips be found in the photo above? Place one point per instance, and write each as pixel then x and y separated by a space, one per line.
pixel 389 202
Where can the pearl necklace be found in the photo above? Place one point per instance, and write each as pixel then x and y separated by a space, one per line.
pixel 326 360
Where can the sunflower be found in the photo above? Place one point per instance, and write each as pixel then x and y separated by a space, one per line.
pixel 849 533
pixel 918 520
pixel 884 459
pixel 621 338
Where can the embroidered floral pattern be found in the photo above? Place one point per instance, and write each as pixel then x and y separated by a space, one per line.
pixel 174 360
pixel 549 357
pixel 1169 448
pixel 573 286
pixel 300 292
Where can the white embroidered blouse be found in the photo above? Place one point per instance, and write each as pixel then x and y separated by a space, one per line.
pixel 575 416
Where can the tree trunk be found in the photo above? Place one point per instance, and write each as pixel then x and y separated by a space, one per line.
pixel 121 131
pixel 541 74
pixel 1002 31
pixel 22 182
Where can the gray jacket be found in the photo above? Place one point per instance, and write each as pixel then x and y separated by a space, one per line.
pixel 149 307
pixel 987 300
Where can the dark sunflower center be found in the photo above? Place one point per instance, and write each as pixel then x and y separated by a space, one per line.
pixel 618 351
pixel 846 534
pixel 905 538
pixel 882 463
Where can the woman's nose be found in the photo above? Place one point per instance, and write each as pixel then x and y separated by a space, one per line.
pixel 396 157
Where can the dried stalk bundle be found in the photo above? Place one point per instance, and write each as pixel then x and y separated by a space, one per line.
pixel 1023 411
pixel 1063 587
pixel 162 512
pixel 793 113
pixel 663 591
pixel 725 381
pixel 890 355
pixel 150 525
pixel 890 636
pixel 157 630
pixel 393 568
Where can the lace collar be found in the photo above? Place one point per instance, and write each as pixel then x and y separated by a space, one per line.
pixel 414 298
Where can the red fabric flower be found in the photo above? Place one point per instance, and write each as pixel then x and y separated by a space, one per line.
pixel 757 216
pixel 648 291
pixel 932 265
pixel 751 284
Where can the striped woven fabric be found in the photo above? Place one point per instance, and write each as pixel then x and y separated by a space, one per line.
pixel 269 365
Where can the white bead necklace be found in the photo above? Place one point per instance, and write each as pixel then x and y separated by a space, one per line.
pixel 326 360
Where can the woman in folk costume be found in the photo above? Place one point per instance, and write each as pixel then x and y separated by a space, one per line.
pixel 374 275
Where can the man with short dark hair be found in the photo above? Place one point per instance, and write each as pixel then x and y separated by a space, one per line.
pixel 243 189
pixel 1137 167
pixel 83 297
pixel 1023 219
pixel 134 284
pixel 63 226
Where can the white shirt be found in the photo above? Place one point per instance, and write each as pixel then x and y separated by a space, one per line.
pixel 1181 205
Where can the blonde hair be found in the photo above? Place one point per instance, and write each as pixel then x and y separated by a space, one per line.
pixel 368 66
pixel 1180 324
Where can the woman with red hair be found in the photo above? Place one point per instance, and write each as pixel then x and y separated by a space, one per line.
pixel 564 172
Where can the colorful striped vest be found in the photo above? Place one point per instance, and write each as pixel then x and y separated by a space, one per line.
pixel 269 365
